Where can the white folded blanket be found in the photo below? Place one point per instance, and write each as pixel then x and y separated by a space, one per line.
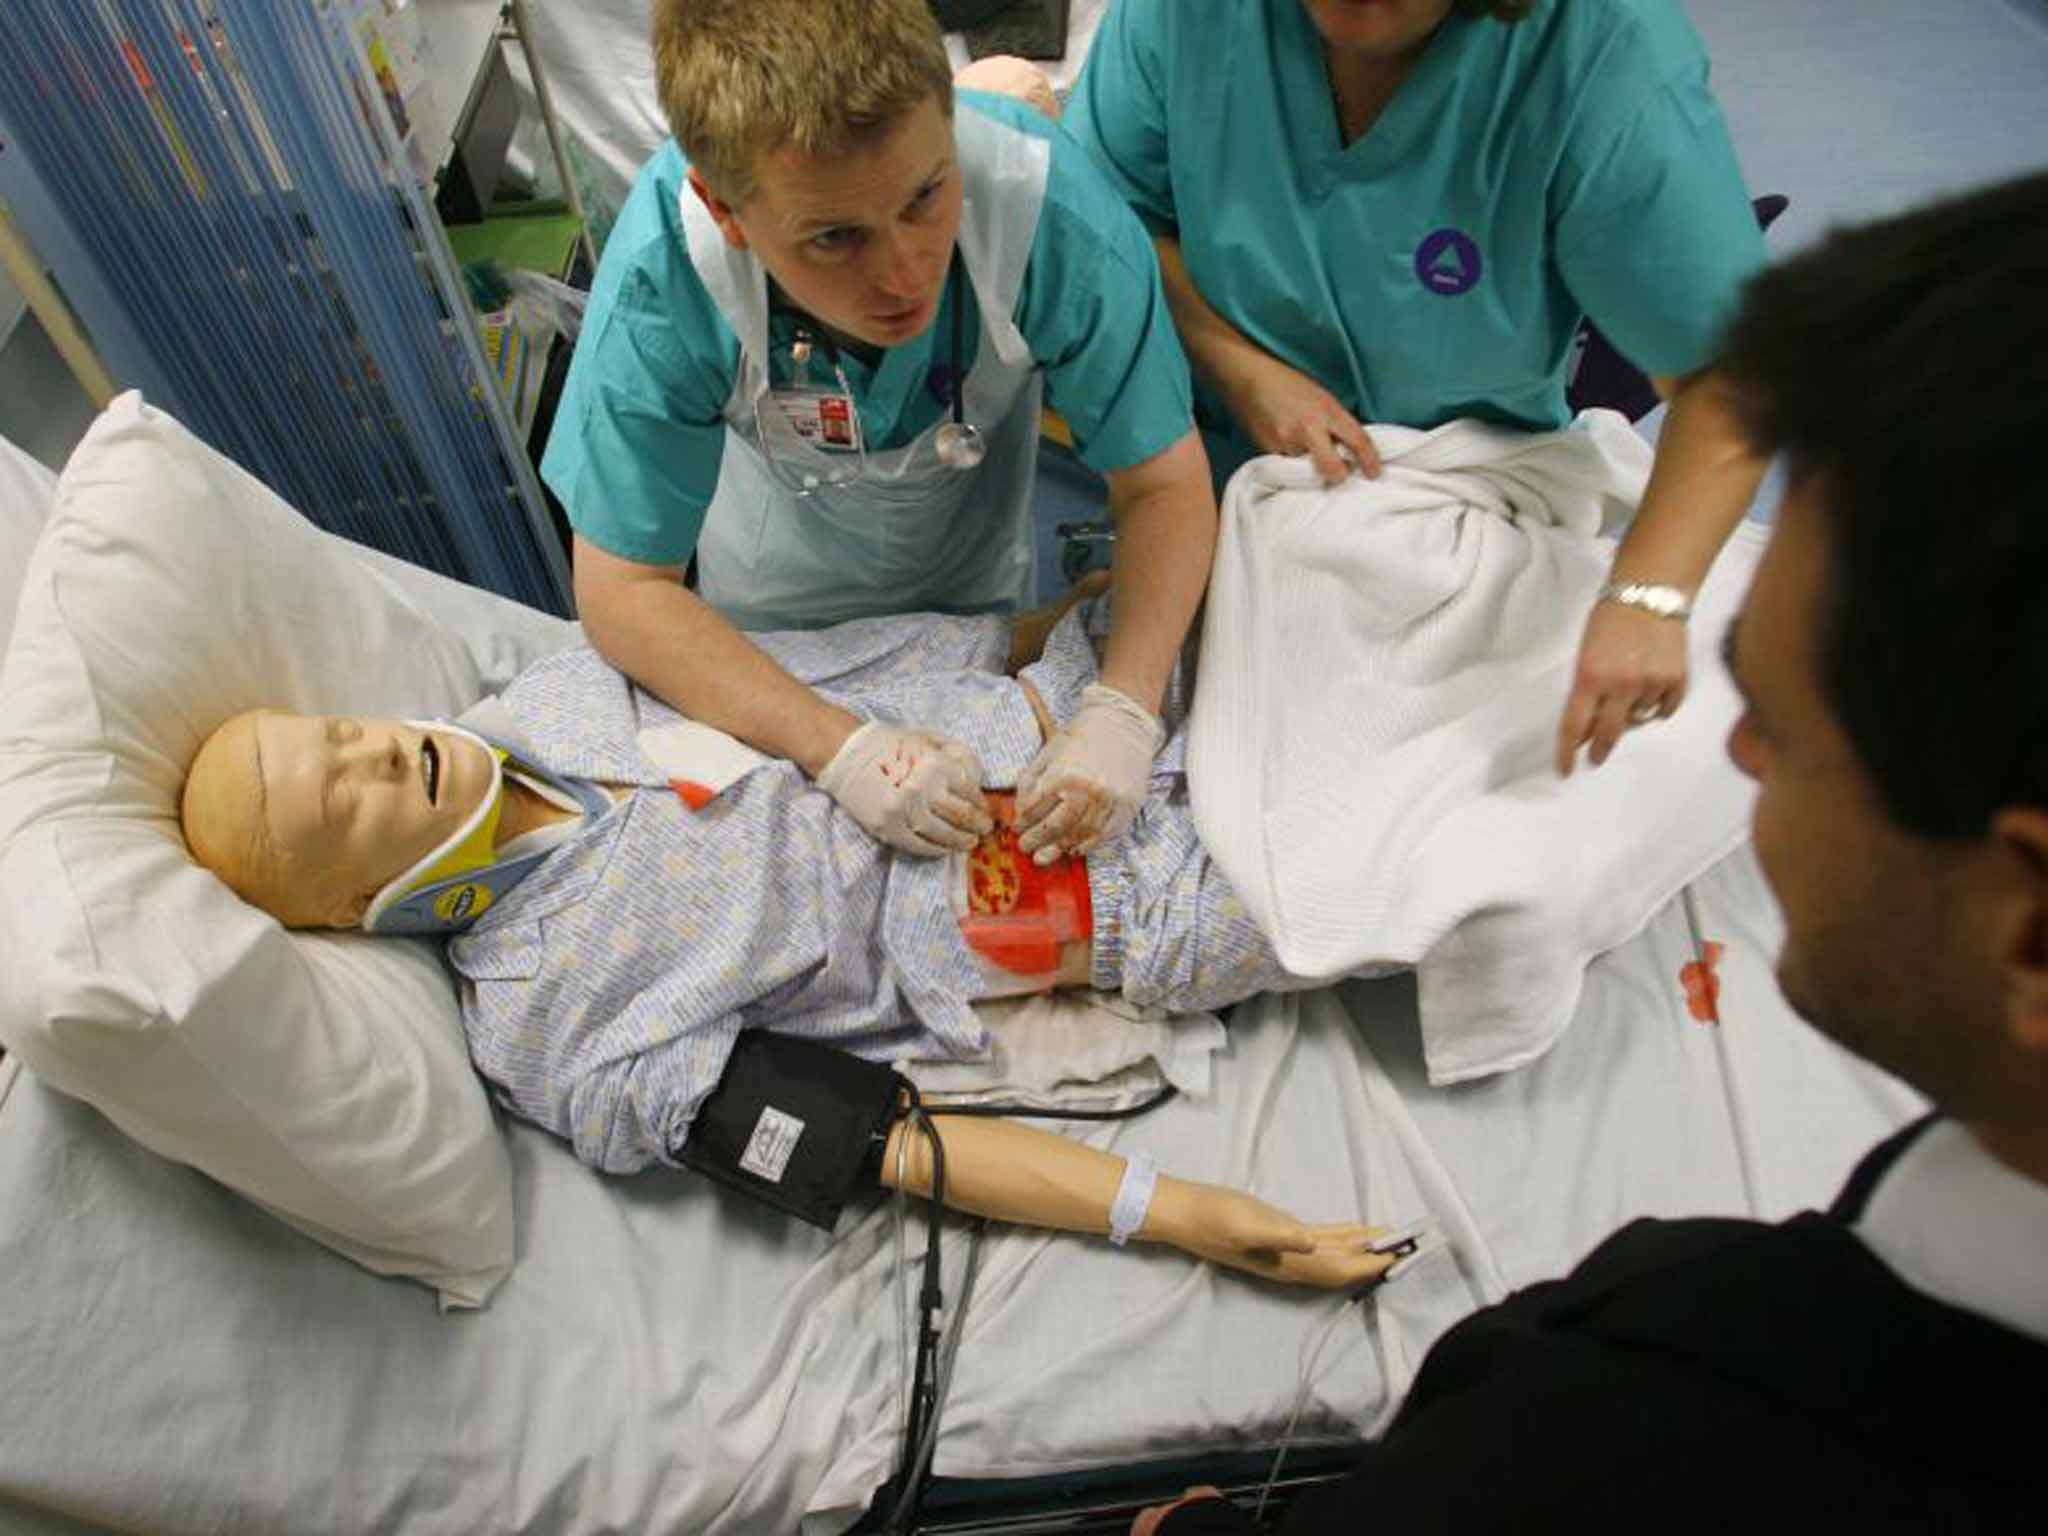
pixel 1383 667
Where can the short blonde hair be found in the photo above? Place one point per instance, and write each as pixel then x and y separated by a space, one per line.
pixel 741 78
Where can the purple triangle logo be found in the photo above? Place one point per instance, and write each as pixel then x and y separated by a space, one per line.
pixel 1447 263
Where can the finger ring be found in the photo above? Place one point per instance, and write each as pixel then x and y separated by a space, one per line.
pixel 1643 714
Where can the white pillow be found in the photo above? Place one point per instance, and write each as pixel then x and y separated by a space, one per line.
pixel 24 500
pixel 325 1077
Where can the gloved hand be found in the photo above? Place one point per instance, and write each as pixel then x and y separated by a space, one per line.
pixel 1085 787
pixel 914 790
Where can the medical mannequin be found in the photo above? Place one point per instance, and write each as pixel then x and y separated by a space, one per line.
pixel 311 817
pixel 813 364
pixel 1002 74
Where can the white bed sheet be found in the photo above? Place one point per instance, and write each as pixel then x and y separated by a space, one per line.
pixel 666 1358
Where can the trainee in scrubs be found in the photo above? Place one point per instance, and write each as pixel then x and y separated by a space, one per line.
pixel 814 359
pixel 1400 211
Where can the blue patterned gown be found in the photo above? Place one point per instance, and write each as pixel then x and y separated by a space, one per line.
pixel 602 994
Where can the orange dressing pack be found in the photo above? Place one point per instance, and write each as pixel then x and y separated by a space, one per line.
pixel 1015 914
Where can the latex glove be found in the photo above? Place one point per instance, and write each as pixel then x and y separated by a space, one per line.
pixel 1283 410
pixel 1631 672
pixel 1084 788
pixel 913 790
pixel 1149 1520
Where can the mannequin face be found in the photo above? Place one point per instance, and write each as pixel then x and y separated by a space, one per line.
pixel 863 240
pixel 1382 28
pixel 309 816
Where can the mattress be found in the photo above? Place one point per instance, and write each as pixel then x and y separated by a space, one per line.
pixel 665 1357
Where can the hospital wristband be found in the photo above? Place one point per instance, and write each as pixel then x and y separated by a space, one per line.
pixel 1133 1198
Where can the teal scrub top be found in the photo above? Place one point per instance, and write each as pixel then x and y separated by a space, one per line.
pixel 637 441
pixel 1523 177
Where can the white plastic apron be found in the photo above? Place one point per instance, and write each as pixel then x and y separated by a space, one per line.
pixel 910 533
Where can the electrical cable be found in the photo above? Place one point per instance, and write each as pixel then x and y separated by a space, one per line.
pixel 902 1309
pixel 932 1297
pixel 931 1375
pixel 1300 1402
pixel 922 1406
pixel 1030 1112
pixel 918 1471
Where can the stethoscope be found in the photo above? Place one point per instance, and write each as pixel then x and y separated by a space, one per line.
pixel 958 443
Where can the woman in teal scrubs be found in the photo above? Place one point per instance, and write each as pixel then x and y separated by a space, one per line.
pixel 1401 210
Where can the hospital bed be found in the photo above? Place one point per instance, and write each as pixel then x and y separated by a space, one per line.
pixel 666 1357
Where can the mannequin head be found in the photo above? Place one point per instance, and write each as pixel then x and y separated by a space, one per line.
pixel 1003 74
pixel 309 816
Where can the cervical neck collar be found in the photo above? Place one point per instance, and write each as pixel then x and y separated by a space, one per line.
pixel 457 882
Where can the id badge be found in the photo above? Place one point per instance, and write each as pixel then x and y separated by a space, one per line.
pixel 824 420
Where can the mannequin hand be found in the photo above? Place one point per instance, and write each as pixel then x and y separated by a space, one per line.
pixel 1631 672
pixel 1084 787
pixel 1285 411
pixel 911 789
pixel 1241 1231
pixel 1149 1520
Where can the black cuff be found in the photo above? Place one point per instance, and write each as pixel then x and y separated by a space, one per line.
pixel 794 1123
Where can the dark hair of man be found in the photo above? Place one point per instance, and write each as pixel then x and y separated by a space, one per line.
pixel 1902 369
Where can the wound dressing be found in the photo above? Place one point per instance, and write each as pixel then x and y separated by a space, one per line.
pixel 701 762
pixel 1016 914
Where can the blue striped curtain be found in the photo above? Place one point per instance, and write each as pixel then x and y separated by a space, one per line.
pixel 283 268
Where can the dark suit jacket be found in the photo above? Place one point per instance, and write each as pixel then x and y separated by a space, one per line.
pixel 1691 1373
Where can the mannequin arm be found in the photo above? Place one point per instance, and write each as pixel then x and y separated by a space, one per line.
pixel 1020 1174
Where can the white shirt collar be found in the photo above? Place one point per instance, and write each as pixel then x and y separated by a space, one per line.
pixel 1958 1225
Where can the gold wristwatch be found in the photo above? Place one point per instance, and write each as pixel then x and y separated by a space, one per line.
pixel 1652 597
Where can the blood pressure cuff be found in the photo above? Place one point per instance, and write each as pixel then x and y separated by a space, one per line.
pixel 795 1124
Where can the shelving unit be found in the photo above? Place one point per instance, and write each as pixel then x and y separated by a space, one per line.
pixel 475 109
pixel 466 39
pixel 464 43
pixel 242 226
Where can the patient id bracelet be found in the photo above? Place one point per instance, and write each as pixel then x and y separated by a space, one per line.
pixel 1650 596
pixel 1133 1198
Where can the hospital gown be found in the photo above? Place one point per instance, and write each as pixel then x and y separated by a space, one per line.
pixel 603 993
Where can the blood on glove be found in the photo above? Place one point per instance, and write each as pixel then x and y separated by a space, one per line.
pixel 914 790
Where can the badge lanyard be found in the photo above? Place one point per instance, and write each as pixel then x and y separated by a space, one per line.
pixel 830 423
